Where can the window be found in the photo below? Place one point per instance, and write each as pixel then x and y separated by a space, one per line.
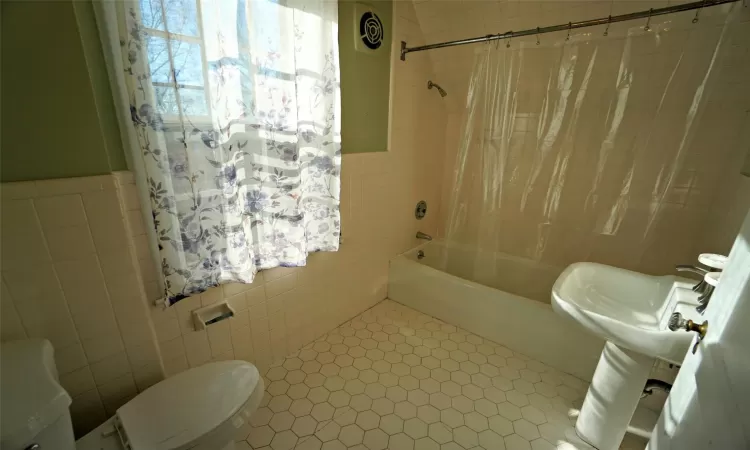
pixel 176 57
pixel 202 71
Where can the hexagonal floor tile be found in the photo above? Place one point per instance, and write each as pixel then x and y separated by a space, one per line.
pixel 286 440
pixel 395 378
pixel 383 406
pixel 500 425
pixel 440 433
pixel 260 436
pixel 516 442
pixel 476 421
pixel 328 431
pixel 368 420
pixel 452 418
pixel 526 429
pixel 351 435
pixel 405 410
pixel 428 414
pixel 426 444
pixel 360 402
pixel 281 421
pixel 345 416
pixel 304 426
pixel 333 445
pixel 488 439
pixel 392 424
pixel 375 439
pixel 415 428
pixel 401 441
pixel 465 436
pixel 322 411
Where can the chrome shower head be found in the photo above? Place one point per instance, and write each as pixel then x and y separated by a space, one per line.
pixel 430 85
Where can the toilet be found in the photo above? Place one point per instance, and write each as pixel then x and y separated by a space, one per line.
pixel 199 409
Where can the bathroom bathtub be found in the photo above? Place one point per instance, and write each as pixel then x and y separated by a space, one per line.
pixel 520 323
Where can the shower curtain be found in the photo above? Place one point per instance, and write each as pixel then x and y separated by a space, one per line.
pixel 582 150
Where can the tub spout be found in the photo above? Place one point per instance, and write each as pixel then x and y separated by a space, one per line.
pixel 424 236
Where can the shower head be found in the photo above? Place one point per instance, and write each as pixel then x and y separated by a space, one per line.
pixel 431 85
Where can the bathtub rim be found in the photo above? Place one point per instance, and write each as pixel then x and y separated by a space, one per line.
pixel 471 283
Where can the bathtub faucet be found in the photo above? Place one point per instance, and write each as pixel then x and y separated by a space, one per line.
pixel 424 236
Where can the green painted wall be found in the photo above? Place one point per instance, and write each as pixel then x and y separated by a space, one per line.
pixel 52 126
pixel 57 112
pixel 365 82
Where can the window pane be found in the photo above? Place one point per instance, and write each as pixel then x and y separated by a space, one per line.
pixel 166 100
pixel 247 82
pixel 151 14
pixel 266 24
pixel 182 17
pixel 193 102
pixel 242 32
pixel 188 64
pixel 158 59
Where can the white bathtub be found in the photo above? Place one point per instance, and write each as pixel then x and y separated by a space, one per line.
pixel 431 285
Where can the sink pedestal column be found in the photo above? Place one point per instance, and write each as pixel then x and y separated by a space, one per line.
pixel 613 396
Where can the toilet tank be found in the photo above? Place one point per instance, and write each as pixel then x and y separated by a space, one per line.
pixel 33 405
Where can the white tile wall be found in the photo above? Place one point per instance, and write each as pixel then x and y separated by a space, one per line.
pixel 68 275
pixel 285 308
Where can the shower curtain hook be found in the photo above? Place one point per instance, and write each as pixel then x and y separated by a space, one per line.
pixel 537 35
pixel 609 22
pixel 648 21
pixel 570 25
pixel 509 39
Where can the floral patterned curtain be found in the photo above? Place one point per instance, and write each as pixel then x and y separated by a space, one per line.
pixel 236 108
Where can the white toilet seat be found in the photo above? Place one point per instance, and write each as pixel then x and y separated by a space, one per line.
pixel 200 408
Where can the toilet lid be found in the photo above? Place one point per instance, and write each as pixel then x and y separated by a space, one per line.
pixel 181 409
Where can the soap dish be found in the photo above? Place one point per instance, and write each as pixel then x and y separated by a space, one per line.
pixel 202 317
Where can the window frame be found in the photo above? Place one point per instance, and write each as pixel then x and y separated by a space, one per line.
pixel 169 37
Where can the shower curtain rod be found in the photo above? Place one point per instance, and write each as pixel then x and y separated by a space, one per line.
pixel 569 26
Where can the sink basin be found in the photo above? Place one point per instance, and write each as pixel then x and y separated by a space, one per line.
pixel 628 308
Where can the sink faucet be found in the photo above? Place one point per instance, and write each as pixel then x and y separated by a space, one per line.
pixel 703 288
pixel 424 236
pixel 692 269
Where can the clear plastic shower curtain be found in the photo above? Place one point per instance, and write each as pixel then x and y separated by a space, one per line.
pixel 580 150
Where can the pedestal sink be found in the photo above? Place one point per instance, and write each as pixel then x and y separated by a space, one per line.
pixel 631 311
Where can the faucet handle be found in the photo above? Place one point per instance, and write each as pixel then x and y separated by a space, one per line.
pixel 712 278
pixel 676 322
pixel 713 260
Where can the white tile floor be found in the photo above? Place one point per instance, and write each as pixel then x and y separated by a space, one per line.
pixel 393 378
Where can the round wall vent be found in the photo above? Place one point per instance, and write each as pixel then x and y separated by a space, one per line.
pixel 371 30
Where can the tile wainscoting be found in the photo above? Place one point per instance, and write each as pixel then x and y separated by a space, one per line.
pixel 69 276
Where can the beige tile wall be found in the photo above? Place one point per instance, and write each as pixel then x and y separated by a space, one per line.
pixel 285 308
pixel 68 275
